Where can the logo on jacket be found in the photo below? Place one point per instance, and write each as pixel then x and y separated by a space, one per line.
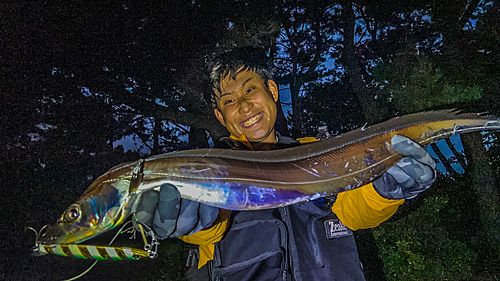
pixel 335 229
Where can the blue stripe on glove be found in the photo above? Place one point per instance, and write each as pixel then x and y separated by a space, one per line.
pixel 449 155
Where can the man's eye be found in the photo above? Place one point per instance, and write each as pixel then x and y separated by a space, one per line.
pixel 250 90
pixel 228 101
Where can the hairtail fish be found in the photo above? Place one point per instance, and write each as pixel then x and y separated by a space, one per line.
pixel 249 180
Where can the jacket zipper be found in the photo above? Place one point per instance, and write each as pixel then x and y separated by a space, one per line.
pixel 286 219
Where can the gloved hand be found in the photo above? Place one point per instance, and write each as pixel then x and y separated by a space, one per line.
pixel 413 174
pixel 171 216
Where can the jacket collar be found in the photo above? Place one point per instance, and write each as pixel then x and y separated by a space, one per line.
pixel 243 143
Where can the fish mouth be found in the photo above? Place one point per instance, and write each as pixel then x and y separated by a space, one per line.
pixel 249 122
pixel 45 236
pixel 50 234
pixel 60 234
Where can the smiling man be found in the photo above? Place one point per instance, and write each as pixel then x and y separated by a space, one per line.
pixel 247 106
pixel 306 241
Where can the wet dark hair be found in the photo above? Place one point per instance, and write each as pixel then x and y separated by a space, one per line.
pixel 235 61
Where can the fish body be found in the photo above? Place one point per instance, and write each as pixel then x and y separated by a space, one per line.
pixel 249 180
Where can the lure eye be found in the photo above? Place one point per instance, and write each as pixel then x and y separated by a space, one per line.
pixel 72 213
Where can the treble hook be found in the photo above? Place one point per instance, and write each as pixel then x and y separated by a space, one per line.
pixel 37 237
pixel 37 233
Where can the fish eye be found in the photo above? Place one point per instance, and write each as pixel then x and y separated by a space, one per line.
pixel 72 213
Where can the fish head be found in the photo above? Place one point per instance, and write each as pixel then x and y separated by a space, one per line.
pixel 102 207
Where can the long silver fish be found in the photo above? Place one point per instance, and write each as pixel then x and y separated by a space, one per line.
pixel 249 180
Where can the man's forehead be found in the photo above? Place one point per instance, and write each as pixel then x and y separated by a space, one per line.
pixel 239 77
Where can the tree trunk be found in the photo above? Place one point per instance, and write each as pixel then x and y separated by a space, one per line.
pixel 156 136
pixel 281 125
pixel 197 138
pixel 294 95
pixel 485 186
pixel 373 109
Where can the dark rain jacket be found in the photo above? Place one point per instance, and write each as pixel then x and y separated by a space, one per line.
pixel 304 241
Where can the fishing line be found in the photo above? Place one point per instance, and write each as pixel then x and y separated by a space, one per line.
pixel 83 273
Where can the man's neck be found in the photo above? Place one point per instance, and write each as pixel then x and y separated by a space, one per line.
pixel 268 143
pixel 280 142
pixel 264 146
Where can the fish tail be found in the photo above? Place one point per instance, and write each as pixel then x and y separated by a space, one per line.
pixel 428 127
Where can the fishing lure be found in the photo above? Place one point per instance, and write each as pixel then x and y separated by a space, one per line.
pixel 93 252
pixel 102 253
pixel 249 180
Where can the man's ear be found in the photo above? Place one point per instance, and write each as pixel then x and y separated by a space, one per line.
pixel 273 88
pixel 219 116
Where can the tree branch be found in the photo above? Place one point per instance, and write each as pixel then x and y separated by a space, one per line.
pixel 197 120
pixel 464 18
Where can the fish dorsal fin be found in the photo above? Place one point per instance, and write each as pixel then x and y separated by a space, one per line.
pixel 136 177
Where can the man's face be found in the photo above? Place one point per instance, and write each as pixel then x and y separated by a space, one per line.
pixel 247 105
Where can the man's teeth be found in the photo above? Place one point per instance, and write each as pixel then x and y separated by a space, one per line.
pixel 251 121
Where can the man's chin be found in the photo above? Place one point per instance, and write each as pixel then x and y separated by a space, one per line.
pixel 259 137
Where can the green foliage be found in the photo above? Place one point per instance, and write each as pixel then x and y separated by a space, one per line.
pixel 416 84
pixel 418 247
pixel 322 107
